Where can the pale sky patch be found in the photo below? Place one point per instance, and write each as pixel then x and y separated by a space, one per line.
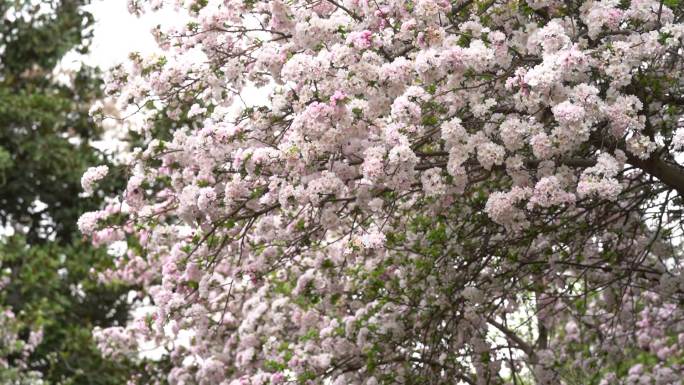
pixel 118 33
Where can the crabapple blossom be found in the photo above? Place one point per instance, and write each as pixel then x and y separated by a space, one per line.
pixel 430 192
pixel 91 176
pixel 15 350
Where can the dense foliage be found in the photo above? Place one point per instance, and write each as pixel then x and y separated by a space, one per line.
pixel 433 192
pixel 49 299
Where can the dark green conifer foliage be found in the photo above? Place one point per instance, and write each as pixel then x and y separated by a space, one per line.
pixel 45 135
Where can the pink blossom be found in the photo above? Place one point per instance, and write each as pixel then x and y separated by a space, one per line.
pixel 91 176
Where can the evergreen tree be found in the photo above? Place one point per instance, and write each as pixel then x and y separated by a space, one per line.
pixel 48 295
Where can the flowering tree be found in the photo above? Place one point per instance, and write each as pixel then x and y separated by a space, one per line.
pixel 433 192
pixel 13 346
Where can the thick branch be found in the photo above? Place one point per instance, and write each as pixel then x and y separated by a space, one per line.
pixel 512 336
pixel 670 174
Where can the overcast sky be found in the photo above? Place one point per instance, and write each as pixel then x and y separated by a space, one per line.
pixel 117 33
